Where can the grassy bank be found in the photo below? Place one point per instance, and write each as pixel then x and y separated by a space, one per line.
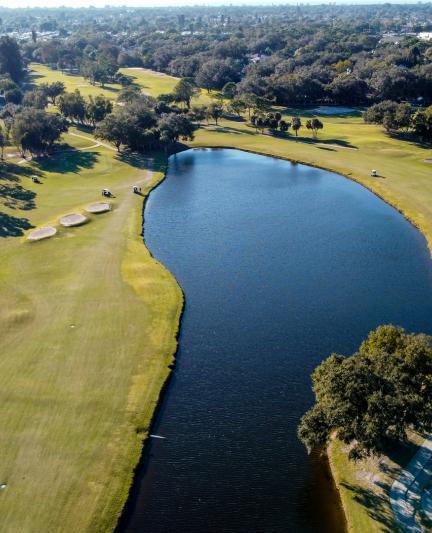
pixel 87 327
pixel 364 486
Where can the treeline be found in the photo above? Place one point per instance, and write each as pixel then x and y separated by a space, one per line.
pixel 401 116
pixel 292 55
pixel 136 122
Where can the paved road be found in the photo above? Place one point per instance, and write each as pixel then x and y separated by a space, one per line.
pixel 407 491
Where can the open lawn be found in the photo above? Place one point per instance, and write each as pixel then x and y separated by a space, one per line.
pixel 152 83
pixel 43 74
pixel 87 327
pixel 88 318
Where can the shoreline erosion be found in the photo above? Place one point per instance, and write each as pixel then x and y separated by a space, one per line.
pixel 140 465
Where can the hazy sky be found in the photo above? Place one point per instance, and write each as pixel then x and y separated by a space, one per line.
pixel 143 3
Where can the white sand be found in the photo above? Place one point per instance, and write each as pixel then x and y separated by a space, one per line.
pixel 41 233
pixel 333 110
pixel 98 207
pixel 74 219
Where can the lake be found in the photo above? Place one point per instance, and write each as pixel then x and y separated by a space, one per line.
pixel 281 264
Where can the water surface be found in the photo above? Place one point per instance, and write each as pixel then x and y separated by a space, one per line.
pixel 281 265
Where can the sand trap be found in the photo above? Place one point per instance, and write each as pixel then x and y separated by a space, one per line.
pixel 74 219
pixel 428 160
pixel 98 207
pixel 333 110
pixel 41 233
pixel 336 146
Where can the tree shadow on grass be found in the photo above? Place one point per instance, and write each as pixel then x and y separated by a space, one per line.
pixel 376 505
pixel 68 160
pixel 317 140
pixel 401 454
pixel 31 80
pixel 109 88
pixel 86 128
pixel 409 137
pixel 232 130
pixel 155 160
pixel 16 196
pixel 12 194
pixel 134 159
pixel 11 226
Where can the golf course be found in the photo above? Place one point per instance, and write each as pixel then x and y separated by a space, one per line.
pixel 89 320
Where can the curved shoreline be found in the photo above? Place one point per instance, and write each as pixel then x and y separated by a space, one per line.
pixel 348 175
pixel 140 465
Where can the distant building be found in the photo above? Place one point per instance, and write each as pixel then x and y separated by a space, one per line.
pixel 395 38
pixel 425 36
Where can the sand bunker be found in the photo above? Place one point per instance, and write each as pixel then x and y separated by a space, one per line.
pixel 41 233
pixel 98 207
pixel 74 219
pixel 333 110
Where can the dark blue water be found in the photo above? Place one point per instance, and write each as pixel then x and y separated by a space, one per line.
pixel 281 265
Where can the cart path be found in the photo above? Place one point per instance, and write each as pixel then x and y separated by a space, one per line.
pixel 406 492
pixel 98 143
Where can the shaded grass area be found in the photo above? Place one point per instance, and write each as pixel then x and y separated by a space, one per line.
pixel 15 200
pixel 364 485
pixel 88 325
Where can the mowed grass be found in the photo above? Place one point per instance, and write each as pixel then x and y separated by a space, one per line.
pixel 152 83
pixel 42 74
pixel 87 333
pixel 364 485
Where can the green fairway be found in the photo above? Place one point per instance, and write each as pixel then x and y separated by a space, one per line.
pixel 43 74
pixel 152 83
pixel 88 319
pixel 87 328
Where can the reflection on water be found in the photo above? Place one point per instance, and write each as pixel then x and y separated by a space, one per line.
pixel 281 265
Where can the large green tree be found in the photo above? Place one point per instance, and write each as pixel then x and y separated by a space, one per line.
pixel 35 131
pixel 371 399
pixel 97 108
pixel 10 58
pixel 184 91
pixel 73 106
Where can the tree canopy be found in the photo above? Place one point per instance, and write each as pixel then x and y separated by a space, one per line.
pixel 371 399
